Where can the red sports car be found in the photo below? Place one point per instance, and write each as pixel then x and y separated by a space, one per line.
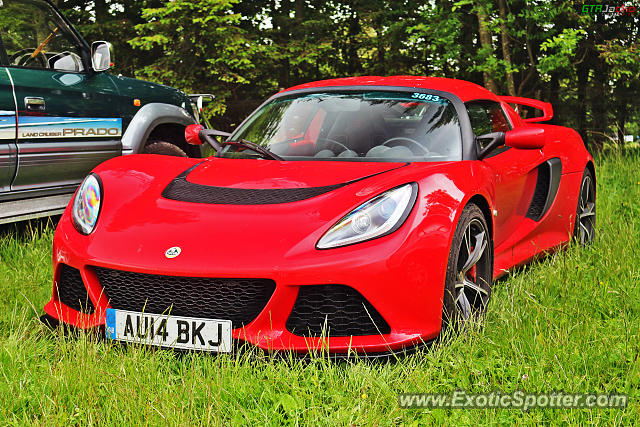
pixel 361 214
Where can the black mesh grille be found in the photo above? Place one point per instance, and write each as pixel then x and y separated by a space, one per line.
pixel 185 191
pixel 238 300
pixel 71 290
pixel 334 310
pixel 540 194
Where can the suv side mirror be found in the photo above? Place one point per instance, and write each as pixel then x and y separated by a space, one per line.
pixel 525 138
pixel 100 56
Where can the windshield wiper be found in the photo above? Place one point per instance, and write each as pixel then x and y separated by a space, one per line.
pixel 255 147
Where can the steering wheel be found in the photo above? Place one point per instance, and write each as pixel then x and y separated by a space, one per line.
pixel 412 141
pixel 334 142
pixel 24 56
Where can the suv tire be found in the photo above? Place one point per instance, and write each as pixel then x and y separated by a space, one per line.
pixel 163 148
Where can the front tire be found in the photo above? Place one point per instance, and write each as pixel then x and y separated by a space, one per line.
pixel 469 271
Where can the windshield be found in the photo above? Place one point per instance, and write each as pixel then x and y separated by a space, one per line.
pixel 354 126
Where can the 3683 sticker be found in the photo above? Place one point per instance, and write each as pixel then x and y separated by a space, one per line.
pixel 425 96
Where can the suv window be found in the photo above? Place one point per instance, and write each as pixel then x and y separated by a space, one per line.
pixel 34 36
pixel 487 117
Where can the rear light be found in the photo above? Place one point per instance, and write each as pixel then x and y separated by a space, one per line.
pixel 192 134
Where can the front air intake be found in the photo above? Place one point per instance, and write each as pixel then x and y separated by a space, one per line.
pixel 334 311
pixel 71 290
pixel 238 300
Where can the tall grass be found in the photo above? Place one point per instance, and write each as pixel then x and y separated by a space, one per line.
pixel 570 322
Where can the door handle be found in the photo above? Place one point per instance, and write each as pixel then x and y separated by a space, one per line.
pixel 34 103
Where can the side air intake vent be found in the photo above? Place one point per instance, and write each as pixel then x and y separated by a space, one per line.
pixel 546 190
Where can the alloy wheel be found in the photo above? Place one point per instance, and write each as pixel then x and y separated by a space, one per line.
pixel 472 287
pixel 586 211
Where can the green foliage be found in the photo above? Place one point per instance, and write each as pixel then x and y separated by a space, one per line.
pixel 570 322
pixel 244 51
pixel 199 45
pixel 558 51
pixel 623 60
pixel 114 21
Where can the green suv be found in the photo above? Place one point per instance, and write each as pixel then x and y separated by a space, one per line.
pixel 62 113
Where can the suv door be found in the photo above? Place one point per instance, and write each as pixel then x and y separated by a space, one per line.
pixel 7 132
pixel 67 115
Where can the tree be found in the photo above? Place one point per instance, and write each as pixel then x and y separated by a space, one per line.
pixel 202 47
pixel 586 64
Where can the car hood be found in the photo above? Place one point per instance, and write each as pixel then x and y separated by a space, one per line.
pixel 140 220
pixel 265 174
pixel 148 92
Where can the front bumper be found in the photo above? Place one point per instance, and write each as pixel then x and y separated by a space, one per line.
pixel 401 276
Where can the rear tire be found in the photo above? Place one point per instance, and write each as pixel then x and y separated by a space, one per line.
pixel 584 229
pixel 163 148
pixel 469 271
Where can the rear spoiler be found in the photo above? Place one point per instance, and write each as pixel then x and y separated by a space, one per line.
pixel 545 107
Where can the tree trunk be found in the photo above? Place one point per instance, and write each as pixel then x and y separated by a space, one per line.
pixel 353 60
pixel 506 50
pixel 622 111
pixel 299 7
pixel 469 46
pixel 583 80
pixel 598 108
pixel 101 10
pixel 554 98
pixel 485 42
pixel 282 20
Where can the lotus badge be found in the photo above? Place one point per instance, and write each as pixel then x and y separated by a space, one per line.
pixel 173 252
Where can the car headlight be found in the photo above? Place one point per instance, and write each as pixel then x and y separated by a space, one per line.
pixel 377 217
pixel 87 204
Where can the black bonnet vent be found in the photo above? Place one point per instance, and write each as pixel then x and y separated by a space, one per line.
pixel 184 191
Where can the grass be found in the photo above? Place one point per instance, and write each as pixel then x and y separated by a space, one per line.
pixel 569 323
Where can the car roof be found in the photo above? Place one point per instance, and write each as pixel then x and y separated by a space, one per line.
pixel 464 90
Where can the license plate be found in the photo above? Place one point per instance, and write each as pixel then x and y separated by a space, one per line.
pixel 166 330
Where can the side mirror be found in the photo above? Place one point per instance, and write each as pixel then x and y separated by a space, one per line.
pixel 526 138
pixel 197 104
pixel 66 61
pixel 100 56
pixel 198 99
pixel 197 134
pixel 192 134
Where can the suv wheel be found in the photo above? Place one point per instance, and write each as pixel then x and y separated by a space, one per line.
pixel 163 148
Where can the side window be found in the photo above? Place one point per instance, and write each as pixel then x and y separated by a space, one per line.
pixel 487 117
pixel 34 36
